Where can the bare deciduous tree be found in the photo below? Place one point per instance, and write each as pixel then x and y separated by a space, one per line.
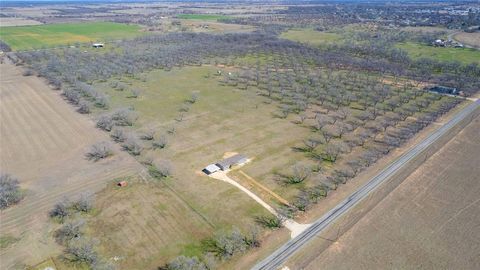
pixel 270 221
pixel 118 135
pixel 161 168
pixel 132 146
pixel 10 193
pixel 161 142
pixel 61 210
pixel 69 231
pixel 84 203
pixel 82 249
pixel 105 122
pixel 83 107
pixel 299 174
pixel 148 135
pixel 99 151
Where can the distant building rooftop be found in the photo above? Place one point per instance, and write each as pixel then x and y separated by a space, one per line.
pixel 233 160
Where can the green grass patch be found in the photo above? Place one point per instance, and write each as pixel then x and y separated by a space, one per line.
pixel 50 35
pixel 464 55
pixel 311 36
pixel 7 240
pixel 193 249
pixel 210 17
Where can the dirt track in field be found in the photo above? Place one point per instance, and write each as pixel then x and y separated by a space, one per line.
pixel 431 221
pixel 43 143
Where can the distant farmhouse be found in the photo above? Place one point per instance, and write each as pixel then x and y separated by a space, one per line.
pixel 445 90
pixel 225 164
pixel 446 43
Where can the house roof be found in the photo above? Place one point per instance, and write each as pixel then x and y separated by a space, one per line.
pixel 232 160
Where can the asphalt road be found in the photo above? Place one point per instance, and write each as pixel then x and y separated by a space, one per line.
pixel 277 258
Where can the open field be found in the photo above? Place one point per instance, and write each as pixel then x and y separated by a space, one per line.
pixel 471 39
pixel 463 55
pixel 311 36
pixel 34 37
pixel 215 27
pixel 431 219
pixel 223 119
pixel 12 21
pixel 425 29
pixel 211 17
pixel 146 224
pixel 43 142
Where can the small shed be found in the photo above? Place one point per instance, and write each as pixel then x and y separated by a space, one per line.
pixel 233 160
pixel 211 169
pixel 122 184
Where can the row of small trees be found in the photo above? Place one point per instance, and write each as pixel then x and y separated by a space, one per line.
pixel 79 248
pixel 222 246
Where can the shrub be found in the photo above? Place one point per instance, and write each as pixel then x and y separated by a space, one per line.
pixel 9 191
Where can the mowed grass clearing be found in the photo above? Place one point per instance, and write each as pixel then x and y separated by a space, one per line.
pixel 311 36
pixel 223 119
pixel 39 36
pixel 463 55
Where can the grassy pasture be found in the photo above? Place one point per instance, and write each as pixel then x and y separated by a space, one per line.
pixel 464 55
pixel 209 17
pixel 148 221
pixel 311 36
pixel 39 36
pixel 223 119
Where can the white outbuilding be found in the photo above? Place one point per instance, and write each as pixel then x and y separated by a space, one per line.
pixel 211 169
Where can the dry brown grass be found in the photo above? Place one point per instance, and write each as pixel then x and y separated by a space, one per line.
pixel 472 39
pixel 146 224
pixel 43 142
pixel 9 21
